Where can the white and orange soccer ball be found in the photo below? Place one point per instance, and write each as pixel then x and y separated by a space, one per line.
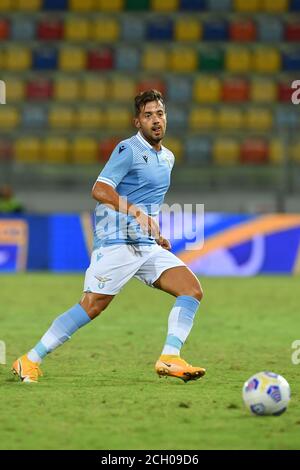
pixel 266 393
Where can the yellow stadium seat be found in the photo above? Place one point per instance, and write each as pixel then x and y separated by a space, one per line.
pixel 82 5
pixel 118 118
pixel 230 118
pixel 188 29
pixel 105 29
pixel 226 151
pixel 89 117
pixel 109 5
pixel 17 58
pixel 247 6
pixel 15 89
pixel 28 150
pixel 77 29
pixel 263 91
pixel 238 59
pixel 95 89
pixel 9 117
pixel 28 5
pixel 155 59
pixel 55 150
pixel 275 6
pixel 122 89
pixel 295 151
pixel 72 59
pixel 183 59
pixel 175 145
pixel 266 60
pixel 203 119
pixel 61 117
pixel 276 151
pixel 67 89
pixel 258 119
pixel 84 150
pixel 207 89
pixel 6 5
pixel 164 5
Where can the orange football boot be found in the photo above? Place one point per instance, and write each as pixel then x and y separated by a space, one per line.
pixel 175 366
pixel 26 370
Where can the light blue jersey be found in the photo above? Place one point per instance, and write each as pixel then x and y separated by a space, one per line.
pixel 142 175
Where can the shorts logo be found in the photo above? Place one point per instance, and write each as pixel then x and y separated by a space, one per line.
pixel 102 282
pixel 99 256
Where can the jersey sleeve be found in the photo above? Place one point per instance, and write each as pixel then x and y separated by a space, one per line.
pixel 118 165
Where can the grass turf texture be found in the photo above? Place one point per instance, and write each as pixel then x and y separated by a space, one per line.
pixel 100 391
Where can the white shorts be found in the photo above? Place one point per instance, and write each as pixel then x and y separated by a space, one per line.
pixel 113 266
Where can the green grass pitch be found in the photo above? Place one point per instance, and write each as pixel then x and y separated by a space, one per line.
pixel 100 391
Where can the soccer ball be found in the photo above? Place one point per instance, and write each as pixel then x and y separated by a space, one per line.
pixel 266 393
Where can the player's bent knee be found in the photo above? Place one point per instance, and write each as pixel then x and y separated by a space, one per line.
pixel 95 304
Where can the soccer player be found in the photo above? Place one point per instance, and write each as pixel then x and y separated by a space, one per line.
pixel 128 243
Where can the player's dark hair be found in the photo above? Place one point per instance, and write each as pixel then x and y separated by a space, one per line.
pixel 145 97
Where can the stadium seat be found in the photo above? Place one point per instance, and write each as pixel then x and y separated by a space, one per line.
pixel 248 6
pixel 263 90
pixel 137 5
pixel 202 118
pixel 275 6
pixel 28 150
pixel 215 30
pixel 292 31
pixel 254 150
pixel 66 89
pixel 230 118
pixel 207 89
pixel 107 146
pixel 287 117
pixel 55 5
pixel 50 29
pixel 226 151
pixel 9 118
pixel 187 29
pixel 269 29
pixel 276 151
pixel 34 117
pixel 6 150
pixel 95 89
pixel 266 59
pixel 295 5
pixel 61 117
pixel 27 5
pixel 258 119
pixel 118 118
pixel 15 89
pixel 89 117
pixel 160 29
pixel 295 151
pixel 235 90
pixel 4 29
pixel 219 5
pixel 84 150
pixel 198 150
pixel 192 5
pixel 127 58
pixel 179 89
pixel 165 5
pixel 105 29
pixel 23 28
pixel 151 83
pixel 238 59
pixel 211 59
pixel 110 5
pixel 82 5
pixel 177 118
pixel 132 30
pixel 6 5
pixel 77 28
pixel 17 58
pixel 285 92
pixel 242 30
pixel 72 59
pixel 175 145
pixel 291 60
pixel 183 59
pixel 39 89
pixel 154 59
pixel 101 59
pixel 122 89
pixel 44 58
pixel 55 150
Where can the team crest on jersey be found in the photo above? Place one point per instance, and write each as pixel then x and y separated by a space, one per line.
pixel 102 281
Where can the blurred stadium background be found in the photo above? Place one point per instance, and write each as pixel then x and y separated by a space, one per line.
pixel 226 67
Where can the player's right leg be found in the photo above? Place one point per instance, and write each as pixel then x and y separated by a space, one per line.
pixel 91 305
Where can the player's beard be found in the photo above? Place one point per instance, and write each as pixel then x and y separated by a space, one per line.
pixel 153 137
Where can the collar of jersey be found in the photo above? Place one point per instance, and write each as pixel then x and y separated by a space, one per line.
pixel 144 142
